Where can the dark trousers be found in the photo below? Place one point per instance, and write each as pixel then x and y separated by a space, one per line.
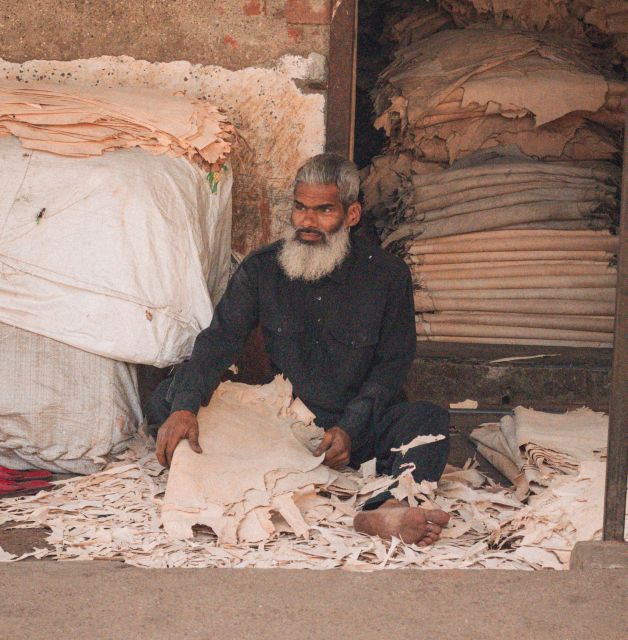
pixel 397 425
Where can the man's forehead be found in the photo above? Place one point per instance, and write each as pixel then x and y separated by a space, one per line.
pixel 316 192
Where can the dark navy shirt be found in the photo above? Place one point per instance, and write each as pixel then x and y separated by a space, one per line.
pixel 345 342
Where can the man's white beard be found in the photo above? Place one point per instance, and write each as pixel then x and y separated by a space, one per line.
pixel 303 261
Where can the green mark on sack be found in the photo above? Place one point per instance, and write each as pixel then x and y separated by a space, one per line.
pixel 213 180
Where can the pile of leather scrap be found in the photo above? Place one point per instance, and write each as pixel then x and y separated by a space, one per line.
pixel 86 121
pixel 270 481
pixel 500 184
pixel 237 489
pixel 558 461
pixel 299 514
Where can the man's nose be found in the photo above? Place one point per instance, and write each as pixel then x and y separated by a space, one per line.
pixel 309 216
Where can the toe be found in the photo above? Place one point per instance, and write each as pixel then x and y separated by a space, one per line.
pixel 437 516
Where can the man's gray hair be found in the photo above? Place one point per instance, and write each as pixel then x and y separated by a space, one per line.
pixel 331 168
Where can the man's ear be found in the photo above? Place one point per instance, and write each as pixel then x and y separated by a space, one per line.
pixel 354 213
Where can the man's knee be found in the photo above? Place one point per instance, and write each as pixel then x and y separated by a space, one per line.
pixel 428 418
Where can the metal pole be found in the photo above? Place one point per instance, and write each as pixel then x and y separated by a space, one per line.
pixel 617 465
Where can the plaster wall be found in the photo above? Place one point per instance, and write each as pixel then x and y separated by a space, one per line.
pixel 262 61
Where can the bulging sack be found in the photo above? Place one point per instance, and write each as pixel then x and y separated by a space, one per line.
pixel 120 255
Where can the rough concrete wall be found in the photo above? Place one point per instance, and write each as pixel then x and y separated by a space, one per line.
pixel 262 61
pixel 229 33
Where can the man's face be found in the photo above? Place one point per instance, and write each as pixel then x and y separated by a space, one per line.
pixel 317 211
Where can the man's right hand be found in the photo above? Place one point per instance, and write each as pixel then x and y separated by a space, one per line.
pixel 180 425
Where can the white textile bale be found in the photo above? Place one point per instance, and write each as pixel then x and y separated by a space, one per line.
pixel 122 255
pixel 61 408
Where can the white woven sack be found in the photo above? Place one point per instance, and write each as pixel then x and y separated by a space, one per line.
pixel 61 408
pixel 116 254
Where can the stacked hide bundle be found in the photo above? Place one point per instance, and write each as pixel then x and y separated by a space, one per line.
pixel 499 187
pixel 532 448
pixel 86 121
pixel 461 90
pixel 509 249
pixel 504 190
pixel 597 20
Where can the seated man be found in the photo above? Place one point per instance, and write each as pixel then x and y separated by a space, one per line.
pixel 337 317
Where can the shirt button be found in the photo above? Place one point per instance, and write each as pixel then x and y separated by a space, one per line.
pixel 318 319
pixel 278 329
pixel 318 298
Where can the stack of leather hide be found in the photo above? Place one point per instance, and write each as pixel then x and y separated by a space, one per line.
pixel 602 22
pixel 500 186
pixel 460 90
pixel 86 121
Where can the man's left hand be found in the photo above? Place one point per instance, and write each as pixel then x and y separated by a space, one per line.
pixel 336 446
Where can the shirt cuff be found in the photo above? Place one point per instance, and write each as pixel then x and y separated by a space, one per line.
pixel 186 401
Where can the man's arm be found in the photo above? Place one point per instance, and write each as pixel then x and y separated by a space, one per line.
pixel 214 350
pixel 393 357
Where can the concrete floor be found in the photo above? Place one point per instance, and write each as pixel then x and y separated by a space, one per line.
pixel 109 601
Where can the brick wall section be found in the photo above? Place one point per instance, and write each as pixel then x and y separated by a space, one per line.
pixel 308 11
pixel 231 33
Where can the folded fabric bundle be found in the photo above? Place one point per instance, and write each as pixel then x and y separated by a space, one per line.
pixel 460 90
pixel 86 121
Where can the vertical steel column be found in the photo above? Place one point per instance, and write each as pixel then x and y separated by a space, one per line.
pixel 340 127
pixel 617 465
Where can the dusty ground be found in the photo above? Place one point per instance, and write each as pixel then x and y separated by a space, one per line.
pixel 108 601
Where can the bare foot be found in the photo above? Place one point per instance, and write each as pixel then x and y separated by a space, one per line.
pixel 413 525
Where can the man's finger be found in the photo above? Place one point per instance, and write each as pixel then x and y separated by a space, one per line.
pixel 326 442
pixel 335 451
pixel 173 441
pixel 193 438
pixel 160 449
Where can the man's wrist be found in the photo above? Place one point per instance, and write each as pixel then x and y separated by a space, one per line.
pixel 184 412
